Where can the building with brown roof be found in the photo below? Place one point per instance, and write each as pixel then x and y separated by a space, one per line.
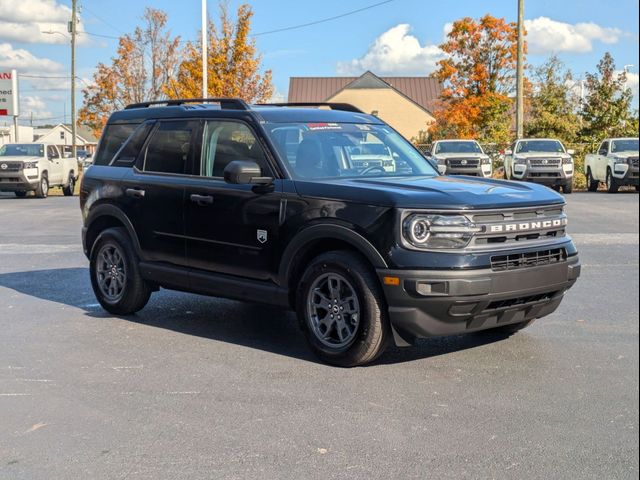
pixel 405 103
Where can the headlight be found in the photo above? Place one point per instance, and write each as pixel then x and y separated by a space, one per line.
pixel 619 160
pixel 438 231
pixel 486 161
pixel 30 165
pixel 567 161
pixel 520 160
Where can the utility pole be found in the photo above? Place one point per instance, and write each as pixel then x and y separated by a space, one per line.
pixel 205 66
pixel 72 31
pixel 520 73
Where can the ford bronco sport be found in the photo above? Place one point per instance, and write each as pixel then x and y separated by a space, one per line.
pixel 267 204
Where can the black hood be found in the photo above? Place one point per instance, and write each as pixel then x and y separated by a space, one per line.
pixel 444 192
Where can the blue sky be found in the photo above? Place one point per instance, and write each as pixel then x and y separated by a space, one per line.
pixel 396 38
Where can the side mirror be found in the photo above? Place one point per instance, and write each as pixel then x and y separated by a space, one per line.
pixel 571 151
pixel 245 172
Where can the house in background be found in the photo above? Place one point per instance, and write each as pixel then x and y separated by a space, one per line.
pixel 61 136
pixel 405 103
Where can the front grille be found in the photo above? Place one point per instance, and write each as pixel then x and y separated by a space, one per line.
pixel 519 302
pixel 526 260
pixel 545 162
pixel 517 227
pixel 463 162
pixel 10 166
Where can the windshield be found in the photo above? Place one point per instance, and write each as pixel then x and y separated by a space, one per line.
pixel 22 150
pixel 457 147
pixel 331 150
pixel 551 146
pixel 628 145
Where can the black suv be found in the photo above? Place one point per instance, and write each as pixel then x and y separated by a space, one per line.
pixel 327 211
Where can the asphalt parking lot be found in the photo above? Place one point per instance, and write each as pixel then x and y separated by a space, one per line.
pixel 196 387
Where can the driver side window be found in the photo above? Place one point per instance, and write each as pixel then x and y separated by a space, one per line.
pixel 226 141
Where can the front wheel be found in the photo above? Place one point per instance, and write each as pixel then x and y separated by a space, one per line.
pixel 567 188
pixel 341 309
pixel 612 184
pixel 42 191
pixel 115 275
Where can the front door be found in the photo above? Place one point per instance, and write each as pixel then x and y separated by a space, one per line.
pixel 55 166
pixel 231 229
pixel 153 196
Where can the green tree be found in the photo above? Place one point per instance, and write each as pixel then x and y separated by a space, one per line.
pixel 553 104
pixel 606 110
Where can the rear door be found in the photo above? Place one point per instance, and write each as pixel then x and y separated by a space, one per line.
pixel 154 189
pixel 231 229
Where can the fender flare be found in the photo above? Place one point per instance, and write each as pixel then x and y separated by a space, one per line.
pixel 108 210
pixel 326 232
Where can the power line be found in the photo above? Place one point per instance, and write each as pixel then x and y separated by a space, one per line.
pixel 84 7
pixel 316 22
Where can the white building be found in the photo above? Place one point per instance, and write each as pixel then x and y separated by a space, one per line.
pixel 7 134
pixel 61 136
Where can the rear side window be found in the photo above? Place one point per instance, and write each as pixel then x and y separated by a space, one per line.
pixel 169 147
pixel 127 155
pixel 112 140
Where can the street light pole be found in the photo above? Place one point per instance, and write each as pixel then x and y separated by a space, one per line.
pixel 520 73
pixel 72 31
pixel 205 66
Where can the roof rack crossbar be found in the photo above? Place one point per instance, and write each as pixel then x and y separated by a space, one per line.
pixel 225 103
pixel 346 107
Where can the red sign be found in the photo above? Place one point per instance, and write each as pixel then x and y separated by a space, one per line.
pixel 5 75
pixel 3 111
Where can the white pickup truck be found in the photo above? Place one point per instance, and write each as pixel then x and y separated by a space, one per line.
pixel 615 164
pixel 460 157
pixel 35 167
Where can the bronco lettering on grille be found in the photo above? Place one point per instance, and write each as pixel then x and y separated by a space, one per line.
pixel 527 226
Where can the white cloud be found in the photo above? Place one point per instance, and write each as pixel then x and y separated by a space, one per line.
pixel 34 105
pixel 26 20
pixel 395 52
pixel 545 36
pixel 25 62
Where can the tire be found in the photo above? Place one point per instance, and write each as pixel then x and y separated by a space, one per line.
pixel 68 190
pixel 592 185
pixel 20 193
pixel 333 283
pixel 43 187
pixel 511 329
pixel 115 274
pixel 612 184
pixel 567 188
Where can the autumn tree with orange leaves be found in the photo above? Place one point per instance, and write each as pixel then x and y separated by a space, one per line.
pixel 144 62
pixel 232 60
pixel 478 75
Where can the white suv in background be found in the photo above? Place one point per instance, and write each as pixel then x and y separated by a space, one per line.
pixel 540 160
pixel 35 167
pixel 461 157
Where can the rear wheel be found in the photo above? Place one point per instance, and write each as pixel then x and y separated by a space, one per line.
pixel 71 185
pixel 42 191
pixel 592 185
pixel 115 274
pixel 612 183
pixel 20 194
pixel 341 309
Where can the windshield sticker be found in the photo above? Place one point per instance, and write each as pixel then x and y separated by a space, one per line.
pixel 324 126
pixel 366 128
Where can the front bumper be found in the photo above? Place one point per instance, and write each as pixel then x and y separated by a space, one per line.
pixel 431 303
pixel 545 176
pixel 626 174
pixel 19 180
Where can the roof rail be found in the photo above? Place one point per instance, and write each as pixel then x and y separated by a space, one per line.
pixel 225 103
pixel 346 107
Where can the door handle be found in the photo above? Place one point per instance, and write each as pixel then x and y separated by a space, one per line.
pixel 201 199
pixel 134 192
